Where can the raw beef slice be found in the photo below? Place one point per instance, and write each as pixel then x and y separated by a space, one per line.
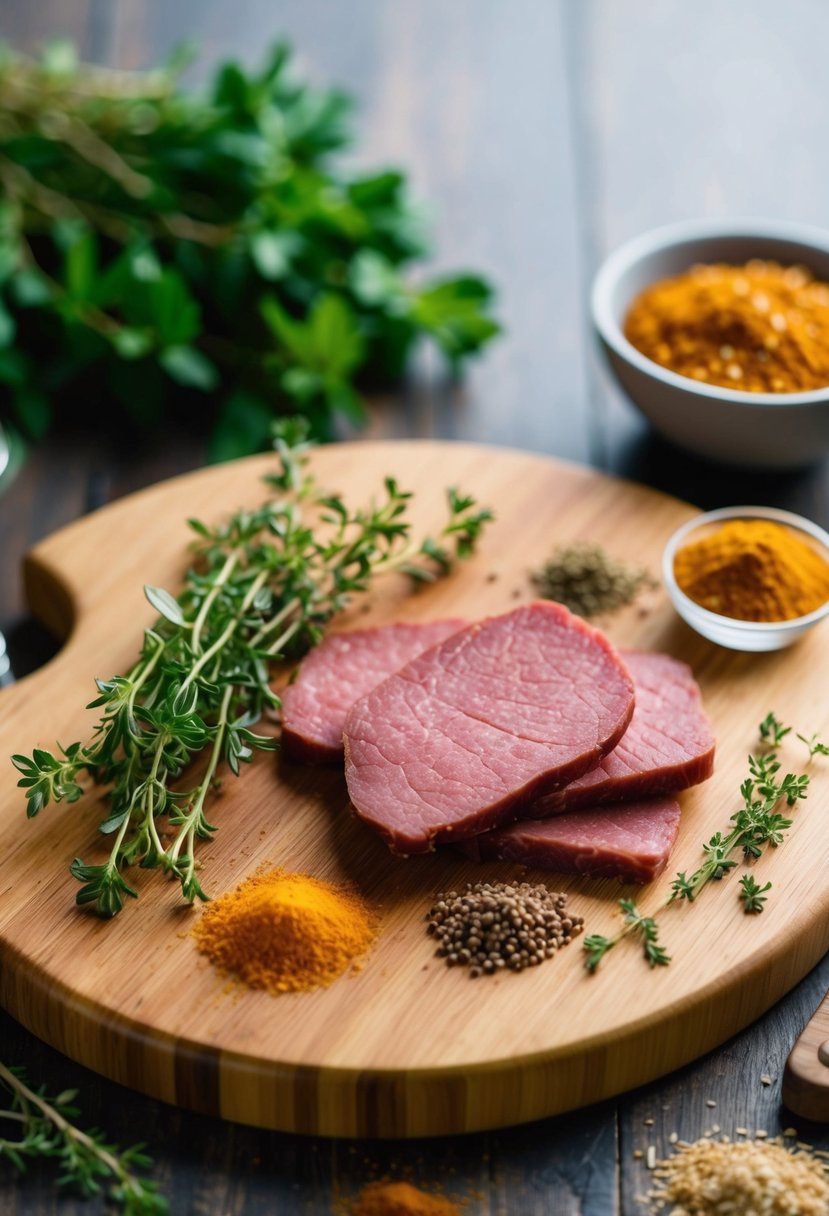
pixel 466 735
pixel 632 842
pixel 668 745
pixel 340 670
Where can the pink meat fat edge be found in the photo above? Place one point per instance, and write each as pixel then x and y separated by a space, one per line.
pixel 461 739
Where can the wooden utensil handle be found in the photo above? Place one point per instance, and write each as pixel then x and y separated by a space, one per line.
pixel 806 1079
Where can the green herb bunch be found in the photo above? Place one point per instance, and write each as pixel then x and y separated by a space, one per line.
pixel 34 1126
pixel 264 585
pixel 153 240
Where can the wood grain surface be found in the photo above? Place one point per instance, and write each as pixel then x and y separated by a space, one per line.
pixel 406 1048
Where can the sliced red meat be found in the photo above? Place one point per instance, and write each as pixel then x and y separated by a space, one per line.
pixel 340 670
pixel 467 734
pixel 632 841
pixel 668 745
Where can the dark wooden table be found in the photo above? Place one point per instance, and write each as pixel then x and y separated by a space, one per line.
pixel 544 132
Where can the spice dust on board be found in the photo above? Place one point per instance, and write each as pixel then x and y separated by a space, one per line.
pixel 285 932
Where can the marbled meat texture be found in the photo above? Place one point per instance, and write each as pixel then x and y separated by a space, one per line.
pixel 467 734
pixel 339 671
pixel 632 841
pixel 668 745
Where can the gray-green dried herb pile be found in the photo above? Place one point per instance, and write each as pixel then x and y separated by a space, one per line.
pixel 588 581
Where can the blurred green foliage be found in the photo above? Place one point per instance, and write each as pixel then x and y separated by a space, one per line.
pixel 163 251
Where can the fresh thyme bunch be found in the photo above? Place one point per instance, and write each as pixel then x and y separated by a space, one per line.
pixel 264 585
pixel 45 1128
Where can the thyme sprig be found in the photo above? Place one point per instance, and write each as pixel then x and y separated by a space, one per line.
pixel 596 946
pixel 757 823
pixel 752 894
pixel 43 1127
pixel 264 585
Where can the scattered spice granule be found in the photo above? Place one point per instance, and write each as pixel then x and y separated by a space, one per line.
pixel 710 1178
pixel 286 932
pixel 588 581
pixel 400 1199
pixel 491 927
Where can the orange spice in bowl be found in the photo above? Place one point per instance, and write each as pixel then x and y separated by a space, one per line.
pixel 759 327
pixel 753 570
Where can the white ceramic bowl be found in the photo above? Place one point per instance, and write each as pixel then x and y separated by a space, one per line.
pixel 761 430
pixel 725 630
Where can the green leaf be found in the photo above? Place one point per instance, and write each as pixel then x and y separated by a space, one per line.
pixel 144 264
pixel 188 366
pixel 81 265
pixel 243 426
pixel 272 253
pixel 375 281
pixel 29 289
pixel 293 336
pixel 454 312
pixel 337 345
pixel 165 305
pixel 165 604
pixel 14 367
pixel 59 57
pixel 132 343
pixel 7 326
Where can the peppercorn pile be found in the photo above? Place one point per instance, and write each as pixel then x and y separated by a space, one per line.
pixel 588 581
pixel 717 1178
pixel 493 926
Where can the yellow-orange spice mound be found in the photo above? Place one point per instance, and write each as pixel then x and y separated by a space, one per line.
pixel 761 327
pixel 754 570
pixel 286 932
pixel 400 1199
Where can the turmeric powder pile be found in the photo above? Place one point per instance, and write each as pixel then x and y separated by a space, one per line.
pixel 762 327
pixel 400 1199
pixel 754 570
pixel 286 932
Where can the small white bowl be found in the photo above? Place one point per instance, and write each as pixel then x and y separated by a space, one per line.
pixel 725 630
pixel 760 430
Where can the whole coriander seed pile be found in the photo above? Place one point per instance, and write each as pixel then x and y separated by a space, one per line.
pixel 588 581
pixel 493 926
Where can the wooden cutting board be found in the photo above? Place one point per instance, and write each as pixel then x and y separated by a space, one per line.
pixel 406 1047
